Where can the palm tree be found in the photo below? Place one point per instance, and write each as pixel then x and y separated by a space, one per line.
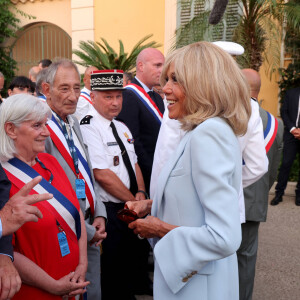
pixel 260 33
pixel 103 56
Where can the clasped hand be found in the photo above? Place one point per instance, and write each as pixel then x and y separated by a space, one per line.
pixel 296 133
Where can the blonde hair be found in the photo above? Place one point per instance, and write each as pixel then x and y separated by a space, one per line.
pixel 213 84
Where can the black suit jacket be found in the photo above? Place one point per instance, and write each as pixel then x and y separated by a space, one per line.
pixel 289 111
pixel 5 242
pixel 144 128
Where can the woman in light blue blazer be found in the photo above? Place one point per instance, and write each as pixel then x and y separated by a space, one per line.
pixel 194 218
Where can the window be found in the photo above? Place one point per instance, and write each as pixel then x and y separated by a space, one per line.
pixel 192 22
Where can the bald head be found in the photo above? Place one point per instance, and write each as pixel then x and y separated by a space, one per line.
pixel 33 72
pixel 87 76
pixel 149 65
pixel 253 79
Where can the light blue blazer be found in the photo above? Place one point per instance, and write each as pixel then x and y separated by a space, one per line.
pixel 198 191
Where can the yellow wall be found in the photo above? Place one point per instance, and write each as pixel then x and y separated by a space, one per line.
pixel 129 21
pixel 57 12
pixel 269 92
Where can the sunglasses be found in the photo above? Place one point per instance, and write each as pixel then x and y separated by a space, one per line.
pixel 127 215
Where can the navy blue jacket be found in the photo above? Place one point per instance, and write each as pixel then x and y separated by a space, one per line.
pixel 144 128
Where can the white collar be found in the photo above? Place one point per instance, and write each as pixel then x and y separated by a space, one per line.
pixel 143 85
pixel 105 123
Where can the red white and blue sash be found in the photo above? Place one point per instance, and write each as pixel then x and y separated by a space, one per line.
pixel 270 131
pixel 19 173
pixel 146 100
pixel 60 142
pixel 86 96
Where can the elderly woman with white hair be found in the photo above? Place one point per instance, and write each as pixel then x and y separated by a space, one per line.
pixel 50 255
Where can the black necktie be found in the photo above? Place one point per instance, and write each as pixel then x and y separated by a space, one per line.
pixel 157 100
pixel 151 94
pixel 125 157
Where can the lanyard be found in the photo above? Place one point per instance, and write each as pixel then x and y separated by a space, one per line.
pixel 70 141
pixel 43 166
pixel 60 228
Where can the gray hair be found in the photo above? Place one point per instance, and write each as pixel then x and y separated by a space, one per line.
pixel 41 77
pixel 1 75
pixel 52 69
pixel 17 109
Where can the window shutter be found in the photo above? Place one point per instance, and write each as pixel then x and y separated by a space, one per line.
pixel 223 31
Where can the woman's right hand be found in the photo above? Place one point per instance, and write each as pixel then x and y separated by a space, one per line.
pixel 64 286
pixel 142 207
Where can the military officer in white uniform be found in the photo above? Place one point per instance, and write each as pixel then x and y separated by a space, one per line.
pixel 118 179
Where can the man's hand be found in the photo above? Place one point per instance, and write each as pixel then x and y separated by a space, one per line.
pixel 18 209
pixel 10 281
pixel 100 234
pixel 296 133
pixel 142 207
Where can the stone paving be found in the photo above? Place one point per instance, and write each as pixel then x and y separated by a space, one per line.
pixel 278 262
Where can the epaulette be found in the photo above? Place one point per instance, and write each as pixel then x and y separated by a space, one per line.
pixel 86 120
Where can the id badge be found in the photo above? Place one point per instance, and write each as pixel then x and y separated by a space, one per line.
pixel 63 244
pixel 80 188
pixel 116 161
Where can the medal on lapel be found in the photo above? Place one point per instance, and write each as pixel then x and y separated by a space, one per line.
pixel 130 141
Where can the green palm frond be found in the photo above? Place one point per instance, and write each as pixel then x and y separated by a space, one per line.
pixel 293 14
pixel 103 56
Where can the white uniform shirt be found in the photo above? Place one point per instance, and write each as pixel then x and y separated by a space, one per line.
pixel 105 152
pixel 251 144
pixel 83 104
pixel 253 148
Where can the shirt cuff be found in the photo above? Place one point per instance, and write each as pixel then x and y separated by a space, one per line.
pixel 292 129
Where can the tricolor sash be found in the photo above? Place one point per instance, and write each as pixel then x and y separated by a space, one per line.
pixel 86 96
pixel 19 173
pixel 42 97
pixel 270 131
pixel 146 100
pixel 60 142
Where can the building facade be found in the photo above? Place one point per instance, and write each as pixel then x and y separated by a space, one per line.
pixel 59 25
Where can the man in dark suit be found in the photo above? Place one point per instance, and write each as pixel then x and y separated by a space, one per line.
pixel 13 214
pixel 256 195
pixel 143 108
pixel 290 111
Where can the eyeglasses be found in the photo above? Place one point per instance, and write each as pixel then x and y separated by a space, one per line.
pixel 127 215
